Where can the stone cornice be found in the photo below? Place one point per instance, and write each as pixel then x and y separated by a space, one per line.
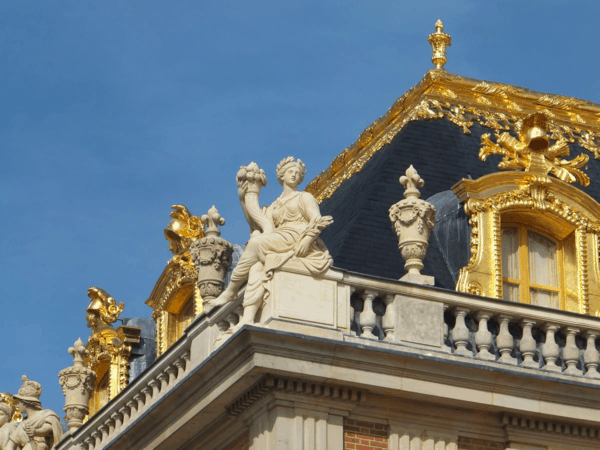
pixel 297 386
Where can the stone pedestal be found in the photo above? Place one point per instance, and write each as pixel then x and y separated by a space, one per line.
pixel 295 295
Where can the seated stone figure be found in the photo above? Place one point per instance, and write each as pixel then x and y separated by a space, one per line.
pixel 6 426
pixel 40 430
pixel 289 228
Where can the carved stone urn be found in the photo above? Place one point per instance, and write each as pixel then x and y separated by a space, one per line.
pixel 77 384
pixel 212 257
pixel 412 220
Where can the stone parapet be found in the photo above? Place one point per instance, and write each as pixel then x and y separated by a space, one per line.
pixel 343 344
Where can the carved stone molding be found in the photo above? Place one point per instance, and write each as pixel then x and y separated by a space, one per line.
pixel 548 426
pixel 299 387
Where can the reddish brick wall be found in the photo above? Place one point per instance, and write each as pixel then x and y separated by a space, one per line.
pixel 465 443
pixel 359 435
pixel 240 443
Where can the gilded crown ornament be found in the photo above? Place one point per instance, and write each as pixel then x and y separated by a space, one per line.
pixel 439 41
pixel 102 310
pixel 533 153
pixel 184 229
pixel 412 220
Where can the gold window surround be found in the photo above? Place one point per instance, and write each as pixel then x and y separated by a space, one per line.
pixel 176 299
pixel 464 102
pixel 109 353
pixel 109 349
pixel 543 203
pixel 173 299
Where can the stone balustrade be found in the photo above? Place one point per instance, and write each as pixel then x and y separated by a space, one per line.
pixel 131 403
pixel 394 315
pixel 477 328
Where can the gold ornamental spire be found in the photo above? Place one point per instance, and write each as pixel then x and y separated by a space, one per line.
pixel 439 41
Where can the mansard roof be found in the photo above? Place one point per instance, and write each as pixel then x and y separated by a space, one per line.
pixel 437 127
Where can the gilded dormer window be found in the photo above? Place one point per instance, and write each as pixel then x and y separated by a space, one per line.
pixel 533 235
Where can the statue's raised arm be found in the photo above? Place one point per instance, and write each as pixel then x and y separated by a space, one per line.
pixel 250 179
pixel 289 228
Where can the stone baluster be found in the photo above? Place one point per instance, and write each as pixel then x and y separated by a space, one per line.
pixel 118 420
pixel 110 423
pixel 172 372
pixel 388 323
pixel 352 311
pixel 185 357
pixel 239 311
pixel 91 442
pixel 97 436
pixel 483 337
pixel 155 386
pixel 164 381
pixel 142 399
pixel 505 341
pixel 180 364
pixel 368 318
pixel 460 333
pixel 550 350
pixel 126 413
pixel 445 332
pixel 103 433
pixel 233 319
pixel 528 346
pixel 223 326
pixel 571 352
pixel 591 357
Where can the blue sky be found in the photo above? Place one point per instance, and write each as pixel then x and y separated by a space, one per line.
pixel 113 111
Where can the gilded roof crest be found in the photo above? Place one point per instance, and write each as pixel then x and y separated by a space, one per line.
pixel 533 152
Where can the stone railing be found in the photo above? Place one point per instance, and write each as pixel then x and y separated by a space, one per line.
pixel 131 403
pixel 374 313
pixel 385 312
pixel 476 328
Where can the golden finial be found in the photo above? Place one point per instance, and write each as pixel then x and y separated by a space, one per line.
pixel 439 41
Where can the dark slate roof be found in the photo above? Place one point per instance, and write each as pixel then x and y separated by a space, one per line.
pixel 361 238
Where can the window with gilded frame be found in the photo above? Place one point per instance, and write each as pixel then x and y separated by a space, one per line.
pixel 538 268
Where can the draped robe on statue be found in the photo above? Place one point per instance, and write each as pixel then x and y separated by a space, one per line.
pixel 269 251
pixel 45 416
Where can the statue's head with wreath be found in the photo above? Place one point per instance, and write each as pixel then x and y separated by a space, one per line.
pixel 287 163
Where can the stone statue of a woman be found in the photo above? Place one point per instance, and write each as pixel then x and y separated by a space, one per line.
pixel 289 228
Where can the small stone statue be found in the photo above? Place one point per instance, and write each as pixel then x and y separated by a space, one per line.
pixel 289 228
pixel 40 429
pixel 412 220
